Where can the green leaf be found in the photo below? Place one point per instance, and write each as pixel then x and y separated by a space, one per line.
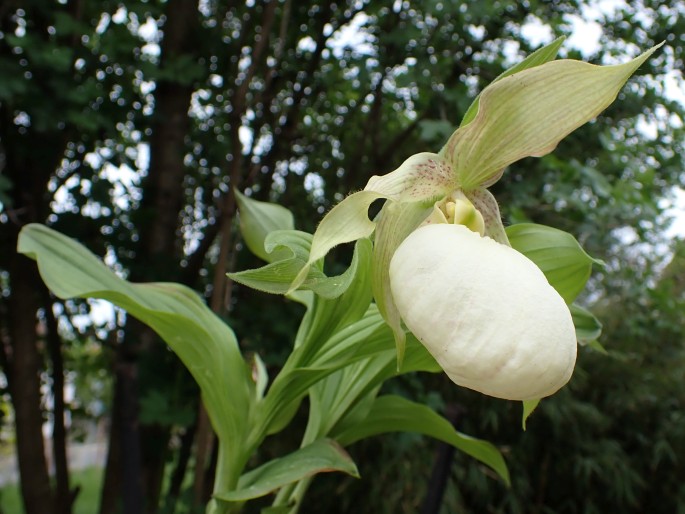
pixel 261 375
pixel 540 56
pixel 528 113
pixel 595 345
pixel 588 328
pixel 205 344
pixel 528 407
pixel 360 340
pixel 277 509
pixel 557 253
pixel 327 316
pixel 305 368
pixel 332 398
pixel 393 413
pixel 321 456
pixel 257 220
pixel 293 248
pixel 346 396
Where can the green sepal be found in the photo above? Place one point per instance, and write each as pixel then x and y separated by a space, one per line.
pixel 526 115
pixel 540 56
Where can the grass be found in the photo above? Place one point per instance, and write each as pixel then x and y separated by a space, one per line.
pixel 87 501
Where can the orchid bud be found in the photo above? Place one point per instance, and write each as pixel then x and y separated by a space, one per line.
pixel 484 311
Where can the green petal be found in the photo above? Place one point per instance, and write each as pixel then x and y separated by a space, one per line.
pixel 528 113
pixel 422 177
pixel 347 221
pixel 396 222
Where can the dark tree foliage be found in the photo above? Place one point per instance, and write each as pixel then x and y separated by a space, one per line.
pixel 128 125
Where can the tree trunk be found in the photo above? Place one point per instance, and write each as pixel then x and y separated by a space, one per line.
pixel 441 468
pixel 28 173
pixel 25 387
pixel 123 487
pixel 179 473
pixel 110 495
pixel 63 495
pixel 157 258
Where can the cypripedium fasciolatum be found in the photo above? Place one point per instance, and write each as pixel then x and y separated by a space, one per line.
pixel 442 262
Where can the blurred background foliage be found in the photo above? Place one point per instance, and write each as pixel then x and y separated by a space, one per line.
pixel 128 124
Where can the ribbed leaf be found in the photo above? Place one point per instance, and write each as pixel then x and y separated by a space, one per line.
pixel 366 338
pixel 293 248
pixel 557 253
pixel 205 344
pixel 393 413
pixel 257 220
pixel 588 328
pixel 322 456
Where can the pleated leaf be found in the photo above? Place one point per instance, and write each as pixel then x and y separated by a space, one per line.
pixel 322 456
pixel 396 414
pixel 257 220
pixel 557 253
pixel 205 344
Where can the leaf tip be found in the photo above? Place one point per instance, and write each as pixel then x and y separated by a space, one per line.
pixel 528 408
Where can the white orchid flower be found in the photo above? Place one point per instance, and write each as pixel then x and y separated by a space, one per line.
pixel 483 310
pixel 496 325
